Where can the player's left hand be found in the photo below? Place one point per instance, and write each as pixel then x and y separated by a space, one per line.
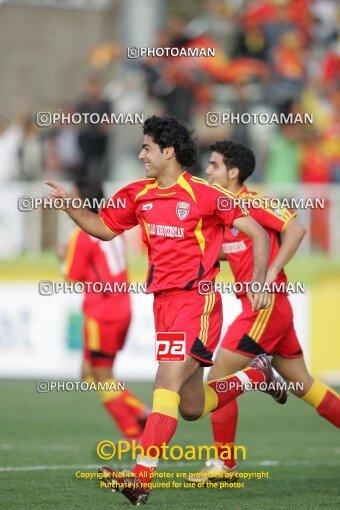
pixel 271 276
pixel 259 300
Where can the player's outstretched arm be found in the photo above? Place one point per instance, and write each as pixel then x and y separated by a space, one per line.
pixel 260 241
pixel 83 217
pixel 292 237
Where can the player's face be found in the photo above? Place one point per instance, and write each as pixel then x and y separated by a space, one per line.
pixel 154 159
pixel 217 171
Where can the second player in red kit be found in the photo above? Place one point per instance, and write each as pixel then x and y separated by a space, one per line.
pixel 107 314
pixel 269 331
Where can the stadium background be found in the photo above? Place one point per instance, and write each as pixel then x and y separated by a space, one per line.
pixel 271 56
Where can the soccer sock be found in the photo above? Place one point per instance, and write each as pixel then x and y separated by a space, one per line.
pixel 159 429
pixel 221 391
pixel 113 401
pixel 136 407
pixel 224 423
pixel 325 400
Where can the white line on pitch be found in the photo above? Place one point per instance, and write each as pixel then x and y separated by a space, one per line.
pixel 263 463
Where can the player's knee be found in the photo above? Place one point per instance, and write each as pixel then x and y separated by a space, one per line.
pixel 101 373
pixel 190 413
pixel 213 374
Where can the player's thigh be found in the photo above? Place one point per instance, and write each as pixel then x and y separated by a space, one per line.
pixel 172 375
pixel 192 396
pixel 86 369
pixel 102 373
pixel 294 370
pixel 227 362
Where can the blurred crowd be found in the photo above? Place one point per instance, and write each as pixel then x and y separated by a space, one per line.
pixel 271 56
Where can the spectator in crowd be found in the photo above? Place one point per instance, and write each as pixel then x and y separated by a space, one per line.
pixel 331 135
pixel 315 167
pixel 10 139
pixel 284 156
pixel 288 67
pixel 93 138
pixel 66 140
pixel 30 152
pixel 325 18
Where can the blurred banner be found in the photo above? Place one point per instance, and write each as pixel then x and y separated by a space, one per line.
pixel 41 336
pixel 12 235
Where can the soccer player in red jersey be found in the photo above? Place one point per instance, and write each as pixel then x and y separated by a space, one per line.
pixel 182 225
pixel 268 331
pixel 107 313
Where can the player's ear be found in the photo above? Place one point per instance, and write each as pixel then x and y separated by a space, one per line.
pixel 234 173
pixel 169 152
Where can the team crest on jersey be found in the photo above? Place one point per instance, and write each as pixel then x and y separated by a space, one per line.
pixel 234 231
pixel 147 207
pixel 182 210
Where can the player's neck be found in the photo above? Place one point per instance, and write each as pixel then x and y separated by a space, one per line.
pixel 169 178
pixel 234 187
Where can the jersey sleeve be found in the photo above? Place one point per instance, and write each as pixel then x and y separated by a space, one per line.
pixel 119 212
pixel 275 219
pixel 77 256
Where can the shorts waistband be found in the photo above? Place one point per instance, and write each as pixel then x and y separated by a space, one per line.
pixel 174 292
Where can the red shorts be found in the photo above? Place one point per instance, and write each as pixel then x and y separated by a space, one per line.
pixel 104 339
pixel 199 317
pixel 268 331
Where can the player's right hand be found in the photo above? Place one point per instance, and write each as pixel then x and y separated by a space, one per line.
pixel 259 300
pixel 58 193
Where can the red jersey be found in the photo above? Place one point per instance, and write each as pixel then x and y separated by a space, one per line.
pixel 182 228
pixel 238 248
pixel 91 260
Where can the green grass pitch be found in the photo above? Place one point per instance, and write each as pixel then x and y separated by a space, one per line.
pixel 60 430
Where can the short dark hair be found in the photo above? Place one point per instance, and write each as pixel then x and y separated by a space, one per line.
pixel 92 191
pixel 170 132
pixel 236 155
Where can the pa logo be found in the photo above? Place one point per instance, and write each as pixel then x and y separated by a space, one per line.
pixel 182 210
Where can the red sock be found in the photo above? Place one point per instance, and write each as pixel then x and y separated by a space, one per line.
pixel 325 400
pixel 224 423
pixel 228 388
pixel 330 408
pixel 123 417
pixel 136 407
pixel 159 429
